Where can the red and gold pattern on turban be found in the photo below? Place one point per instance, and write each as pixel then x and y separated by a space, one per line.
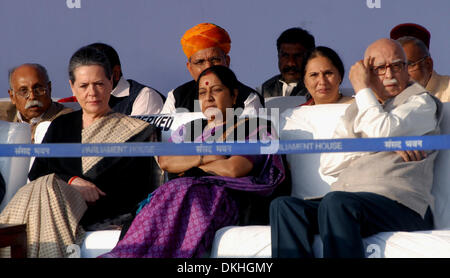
pixel 205 35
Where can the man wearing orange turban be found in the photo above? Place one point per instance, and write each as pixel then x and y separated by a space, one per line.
pixel 205 45
pixel 205 35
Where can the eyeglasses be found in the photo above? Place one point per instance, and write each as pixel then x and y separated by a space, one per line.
pixel 25 93
pixel 412 66
pixel 395 67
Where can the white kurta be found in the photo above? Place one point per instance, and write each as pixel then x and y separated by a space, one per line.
pixel 413 118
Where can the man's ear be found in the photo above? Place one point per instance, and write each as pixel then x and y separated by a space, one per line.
pixel 49 85
pixel 429 64
pixel 227 60
pixel 11 96
pixel 188 66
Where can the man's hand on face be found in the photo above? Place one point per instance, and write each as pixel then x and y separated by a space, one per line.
pixel 361 75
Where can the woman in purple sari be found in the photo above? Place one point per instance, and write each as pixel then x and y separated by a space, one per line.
pixel 205 193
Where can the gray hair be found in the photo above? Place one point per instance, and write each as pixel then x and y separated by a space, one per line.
pixel 89 56
pixel 418 43
pixel 38 67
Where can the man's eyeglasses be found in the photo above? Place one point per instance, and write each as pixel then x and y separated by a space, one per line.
pixel 412 66
pixel 395 67
pixel 25 93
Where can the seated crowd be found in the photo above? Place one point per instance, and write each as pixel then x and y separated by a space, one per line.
pixel 396 93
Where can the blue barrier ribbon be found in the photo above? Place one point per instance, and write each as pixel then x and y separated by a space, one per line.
pixel 434 142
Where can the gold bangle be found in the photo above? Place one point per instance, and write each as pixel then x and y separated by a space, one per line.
pixel 201 160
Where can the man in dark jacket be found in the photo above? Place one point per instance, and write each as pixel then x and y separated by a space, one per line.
pixel 291 45
pixel 128 96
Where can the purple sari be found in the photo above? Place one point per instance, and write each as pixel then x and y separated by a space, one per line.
pixel 183 214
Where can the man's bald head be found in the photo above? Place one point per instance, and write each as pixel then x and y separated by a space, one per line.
pixel 389 68
pixel 385 47
pixel 39 68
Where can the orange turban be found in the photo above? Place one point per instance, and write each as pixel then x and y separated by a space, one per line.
pixel 205 35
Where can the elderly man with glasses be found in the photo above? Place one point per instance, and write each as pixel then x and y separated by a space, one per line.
pixel 374 191
pixel 30 94
pixel 415 40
